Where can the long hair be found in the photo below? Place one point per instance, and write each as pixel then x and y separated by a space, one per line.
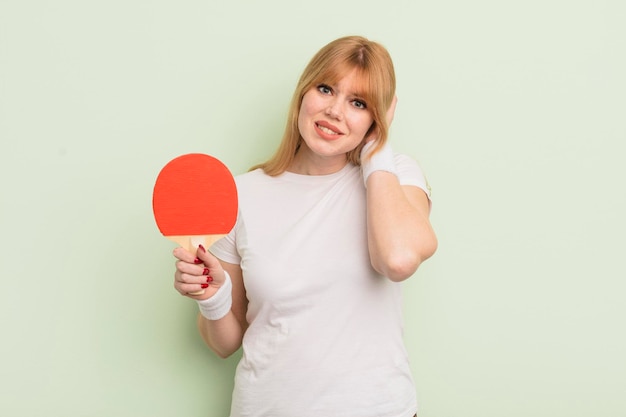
pixel 334 61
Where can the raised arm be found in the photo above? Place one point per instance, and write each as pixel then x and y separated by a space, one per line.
pixel 223 335
pixel 400 236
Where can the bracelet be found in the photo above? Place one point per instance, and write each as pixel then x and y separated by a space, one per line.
pixel 218 305
pixel 383 160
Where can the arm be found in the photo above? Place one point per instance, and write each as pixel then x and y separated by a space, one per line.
pixel 400 236
pixel 223 336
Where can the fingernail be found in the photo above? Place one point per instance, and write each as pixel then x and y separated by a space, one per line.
pixel 201 248
pixel 204 285
pixel 206 271
pixel 197 261
pixel 209 279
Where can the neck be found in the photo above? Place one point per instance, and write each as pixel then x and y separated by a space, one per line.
pixel 307 163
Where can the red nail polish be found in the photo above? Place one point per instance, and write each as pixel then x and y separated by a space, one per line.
pixel 209 279
pixel 206 271
pixel 201 248
pixel 197 261
pixel 205 285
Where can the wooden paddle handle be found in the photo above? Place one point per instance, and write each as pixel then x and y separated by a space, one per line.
pixel 191 242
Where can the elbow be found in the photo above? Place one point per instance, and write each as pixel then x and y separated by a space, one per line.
pixel 223 351
pixel 399 268
pixel 224 354
pixel 402 264
pixel 396 266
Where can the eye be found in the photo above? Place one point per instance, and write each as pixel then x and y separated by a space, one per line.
pixel 360 104
pixel 324 89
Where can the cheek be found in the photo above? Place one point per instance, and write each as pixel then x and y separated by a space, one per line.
pixel 302 113
pixel 309 102
pixel 362 124
pixel 306 108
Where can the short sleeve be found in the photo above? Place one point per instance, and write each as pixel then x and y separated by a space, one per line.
pixel 225 249
pixel 410 173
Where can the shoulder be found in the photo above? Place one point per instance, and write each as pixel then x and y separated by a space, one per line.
pixel 410 172
pixel 251 178
pixel 404 160
pixel 256 186
pixel 257 173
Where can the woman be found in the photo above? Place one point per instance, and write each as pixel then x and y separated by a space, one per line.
pixel 307 281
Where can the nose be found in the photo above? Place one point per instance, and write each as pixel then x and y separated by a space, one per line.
pixel 334 110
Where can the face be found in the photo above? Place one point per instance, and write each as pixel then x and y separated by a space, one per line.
pixel 333 120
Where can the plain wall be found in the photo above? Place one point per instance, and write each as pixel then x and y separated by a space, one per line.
pixel 515 110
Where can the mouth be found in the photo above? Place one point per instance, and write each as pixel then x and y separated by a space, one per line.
pixel 327 131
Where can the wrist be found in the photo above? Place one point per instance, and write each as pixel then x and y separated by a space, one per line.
pixel 383 160
pixel 219 304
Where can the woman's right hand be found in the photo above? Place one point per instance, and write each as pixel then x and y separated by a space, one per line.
pixel 197 276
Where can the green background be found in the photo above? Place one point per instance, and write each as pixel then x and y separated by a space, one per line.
pixel 515 110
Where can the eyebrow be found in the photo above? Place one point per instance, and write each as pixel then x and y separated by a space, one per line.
pixel 358 93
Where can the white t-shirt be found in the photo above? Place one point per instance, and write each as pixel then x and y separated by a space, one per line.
pixel 325 329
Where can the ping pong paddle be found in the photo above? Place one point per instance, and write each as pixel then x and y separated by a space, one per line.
pixel 195 200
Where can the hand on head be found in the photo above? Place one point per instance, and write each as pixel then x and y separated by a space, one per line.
pixel 389 116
